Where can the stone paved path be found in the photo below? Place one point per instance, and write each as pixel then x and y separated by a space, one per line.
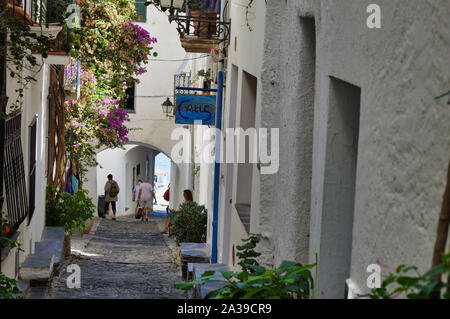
pixel 125 259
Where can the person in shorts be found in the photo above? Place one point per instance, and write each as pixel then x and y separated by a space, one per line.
pixel 135 196
pixel 111 195
pixel 145 197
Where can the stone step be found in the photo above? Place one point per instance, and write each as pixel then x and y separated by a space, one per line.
pixel 192 253
pixel 39 292
pixel 200 291
pixel 24 287
pixel 38 267
pixel 52 242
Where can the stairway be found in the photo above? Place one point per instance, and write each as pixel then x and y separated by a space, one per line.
pixel 37 268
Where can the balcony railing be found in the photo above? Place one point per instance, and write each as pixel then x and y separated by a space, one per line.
pixel 201 32
pixel 39 12
pixel 181 80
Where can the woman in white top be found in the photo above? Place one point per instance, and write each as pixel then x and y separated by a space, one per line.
pixel 145 197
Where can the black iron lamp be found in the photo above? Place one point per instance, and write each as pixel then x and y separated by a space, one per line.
pixel 167 107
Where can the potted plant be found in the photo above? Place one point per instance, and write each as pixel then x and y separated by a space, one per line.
pixel 194 9
pixel 189 226
pixel 207 77
pixel 202 29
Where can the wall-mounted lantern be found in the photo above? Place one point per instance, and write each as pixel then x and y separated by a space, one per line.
pixel 167 107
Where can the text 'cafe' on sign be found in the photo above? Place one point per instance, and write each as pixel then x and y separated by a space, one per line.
pixel 192 108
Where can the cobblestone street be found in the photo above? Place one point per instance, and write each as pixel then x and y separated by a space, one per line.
pixel 125 259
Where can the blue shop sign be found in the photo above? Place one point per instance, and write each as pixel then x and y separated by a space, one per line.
pixel 191 108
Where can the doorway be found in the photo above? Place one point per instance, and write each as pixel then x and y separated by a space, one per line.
pixel 339 187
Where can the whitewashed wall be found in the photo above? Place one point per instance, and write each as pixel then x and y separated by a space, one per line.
pixel 244 54
pixel 35 108
pixel 403 146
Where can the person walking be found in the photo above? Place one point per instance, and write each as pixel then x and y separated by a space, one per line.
pixel 135 196
pixel 145 197
pixel 111 191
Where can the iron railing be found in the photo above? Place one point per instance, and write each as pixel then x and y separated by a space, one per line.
pixel 207 25
pixel 15 187
pixel 41 12
pixel 180 80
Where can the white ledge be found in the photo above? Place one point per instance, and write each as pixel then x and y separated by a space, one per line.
pixel 50 31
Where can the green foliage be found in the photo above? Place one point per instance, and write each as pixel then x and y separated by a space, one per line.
pixel 70 211
pixel 247 253
pixel 21 43
pixel 59 11
pixel 8 288
pixel 290 280
pixel 407 280
pixel 5 230
pixel 190 224
pixel 196 171
pixel 205 74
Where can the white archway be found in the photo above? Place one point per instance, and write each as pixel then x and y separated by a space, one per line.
pixel 180 174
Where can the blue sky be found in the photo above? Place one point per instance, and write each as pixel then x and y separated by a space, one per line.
pixel 162 162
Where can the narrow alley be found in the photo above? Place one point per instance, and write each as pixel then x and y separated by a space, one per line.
pixel 125 259
pixel 293 149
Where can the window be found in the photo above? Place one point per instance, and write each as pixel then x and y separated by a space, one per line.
pixel 130 97
pixel 141 11
pixel 15 186
pixel 138 169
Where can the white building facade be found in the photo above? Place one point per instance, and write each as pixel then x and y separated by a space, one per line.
pixel 26 157
pixel 363 147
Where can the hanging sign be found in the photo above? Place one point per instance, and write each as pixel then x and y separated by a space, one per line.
pixel 191 108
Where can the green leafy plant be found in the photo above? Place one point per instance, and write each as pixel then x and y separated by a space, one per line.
pixel 205 74
pixel 21 49
pixel 247 253
pixel 5 232
pixel 8 286
pixel 290 280
pixel 408 281
pixel 190 224
pixel 70 211
pixel 196 171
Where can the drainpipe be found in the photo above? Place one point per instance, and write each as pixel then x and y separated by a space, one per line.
pixel 218 141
